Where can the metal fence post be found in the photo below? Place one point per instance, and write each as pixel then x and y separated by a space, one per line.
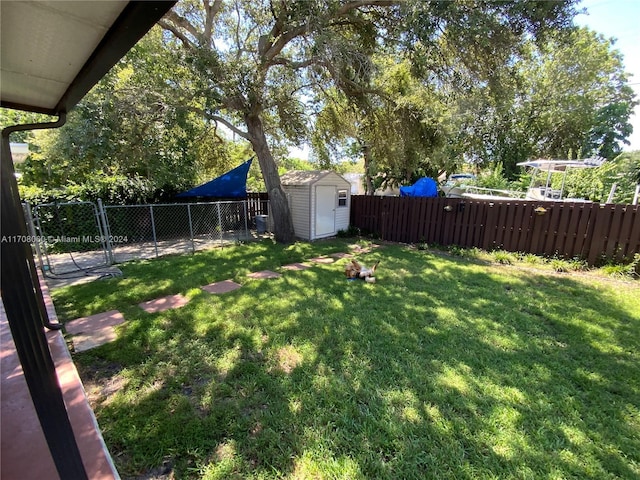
pixel 193 246
pixel 220 223
pixel 246 221
pixel 32 232
pixel 46 267
pixel 153 229
pixel 105 233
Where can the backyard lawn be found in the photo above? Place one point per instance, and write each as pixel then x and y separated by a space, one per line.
pixel 446 367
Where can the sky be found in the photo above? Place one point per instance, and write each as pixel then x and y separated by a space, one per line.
pixel 619 19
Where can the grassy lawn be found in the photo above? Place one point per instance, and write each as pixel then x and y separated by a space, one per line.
pixel 445 368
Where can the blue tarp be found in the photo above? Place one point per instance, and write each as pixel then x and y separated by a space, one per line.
pixel 232 184
pixel 425 187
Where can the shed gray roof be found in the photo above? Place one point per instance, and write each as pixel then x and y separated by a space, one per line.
pixel 305 177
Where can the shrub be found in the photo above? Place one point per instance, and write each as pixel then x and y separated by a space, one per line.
pixel 631 269
pixel 112 189
pixel 559 265
pixel 504 258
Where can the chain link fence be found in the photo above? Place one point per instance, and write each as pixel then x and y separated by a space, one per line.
pixel 82 236
pixel 144 231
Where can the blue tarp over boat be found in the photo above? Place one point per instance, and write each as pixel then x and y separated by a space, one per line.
pixel 425 187
pixel 232 184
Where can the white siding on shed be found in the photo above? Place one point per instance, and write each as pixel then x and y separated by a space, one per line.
pixel 298 196
pixel 300 187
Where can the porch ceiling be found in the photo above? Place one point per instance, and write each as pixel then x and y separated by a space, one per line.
pixel 53 52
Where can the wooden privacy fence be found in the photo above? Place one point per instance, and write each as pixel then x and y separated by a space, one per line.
pixel 590 231
pixel 258 203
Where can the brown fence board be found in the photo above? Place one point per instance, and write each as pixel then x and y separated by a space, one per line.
pixel 563 244
pixel 523 225
pixel 498 227
pixel 513 213
pixel 571 228
pixel 488 240
pixel 479 216
pixel 553 217
pixel 465 229
pixel 448 219
pixel 576 229
pixel 613 235
pixel 633 244
pixel 434 222
pixel 414 220
pixel 582 234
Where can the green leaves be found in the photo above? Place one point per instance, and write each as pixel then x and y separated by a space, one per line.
pixel 565 97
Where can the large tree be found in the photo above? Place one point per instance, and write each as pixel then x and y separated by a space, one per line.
pixel 566 97
pixel 131 125
pixel 255 58
pixel 399 128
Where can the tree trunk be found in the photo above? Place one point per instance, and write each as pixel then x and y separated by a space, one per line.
pixel 280 212
pixel 369 189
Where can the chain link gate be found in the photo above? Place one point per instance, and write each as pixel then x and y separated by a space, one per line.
pixel 68 237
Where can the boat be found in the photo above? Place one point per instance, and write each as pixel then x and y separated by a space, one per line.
pixel 537 191
pixel 456 184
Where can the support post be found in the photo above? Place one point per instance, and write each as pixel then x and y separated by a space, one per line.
pixel 23 303
pixel 193 245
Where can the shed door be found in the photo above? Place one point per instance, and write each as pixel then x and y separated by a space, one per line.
pixel 325 210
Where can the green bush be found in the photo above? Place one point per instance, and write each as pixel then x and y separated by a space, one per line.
pixel 504 258
pixel 112 189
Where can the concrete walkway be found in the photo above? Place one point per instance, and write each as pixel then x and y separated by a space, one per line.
pixel 23 448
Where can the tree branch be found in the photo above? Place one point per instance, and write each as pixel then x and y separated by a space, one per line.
pixel 229 125
pixel 211 10
pixel 188 44
pixel 270 50
pixel 295 65
pixel 348 7
pixel 182 22
pixel 219 119
pixel 276 47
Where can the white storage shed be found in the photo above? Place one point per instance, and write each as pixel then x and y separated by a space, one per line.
pixel 320 202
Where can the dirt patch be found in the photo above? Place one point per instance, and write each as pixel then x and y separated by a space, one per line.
pixel 287 359
pixel 101 382
pixel 163 472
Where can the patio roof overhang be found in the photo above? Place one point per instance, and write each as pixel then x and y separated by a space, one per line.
pixel 51 54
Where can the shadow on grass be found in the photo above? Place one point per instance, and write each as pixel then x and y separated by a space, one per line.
pixel 148 279
pixel 442 369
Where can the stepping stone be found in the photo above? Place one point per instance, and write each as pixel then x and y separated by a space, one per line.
pixel 323 260
pixel 264 274
pixel 341 255
pixel 359 249
pixel 164 303
pixel 221 287
pixel 93 339
pixel 296 266
pixel 94 322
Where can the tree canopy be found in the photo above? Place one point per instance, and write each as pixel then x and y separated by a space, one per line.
pixel 254 61
pixel 412 88
pixel 565 98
